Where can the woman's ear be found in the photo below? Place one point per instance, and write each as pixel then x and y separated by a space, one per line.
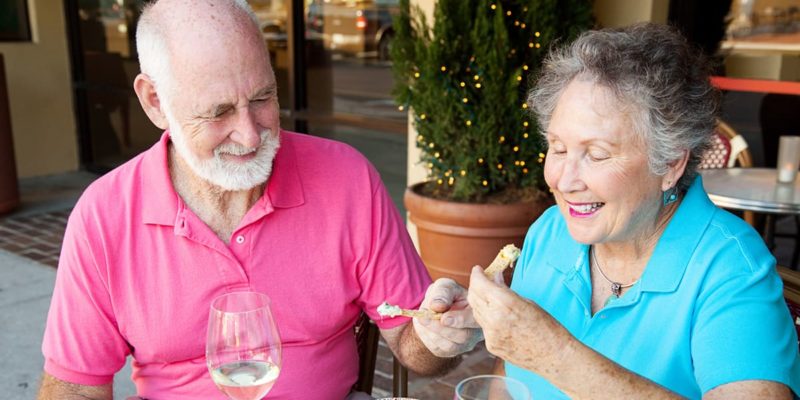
pixel 675 171
pixel 145 90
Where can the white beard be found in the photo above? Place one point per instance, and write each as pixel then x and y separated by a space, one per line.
pixel 228 175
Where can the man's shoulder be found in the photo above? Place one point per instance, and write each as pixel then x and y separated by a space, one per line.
pixel 117 185
pixel 319 148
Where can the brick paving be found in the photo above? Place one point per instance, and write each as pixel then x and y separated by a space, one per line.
pixel 36 236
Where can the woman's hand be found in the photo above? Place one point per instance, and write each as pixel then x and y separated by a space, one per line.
pixel 516 330
pixel 456 332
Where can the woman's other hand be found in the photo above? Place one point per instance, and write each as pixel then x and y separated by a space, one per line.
pixel 515 329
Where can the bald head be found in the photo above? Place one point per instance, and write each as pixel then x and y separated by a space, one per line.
pixel 189 32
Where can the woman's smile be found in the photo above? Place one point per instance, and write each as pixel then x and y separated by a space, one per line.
pixel 583 210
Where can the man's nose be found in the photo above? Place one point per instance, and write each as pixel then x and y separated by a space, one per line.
pixel 246 129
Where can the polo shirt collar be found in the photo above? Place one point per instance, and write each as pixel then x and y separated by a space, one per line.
pixel 159 199
pixel 672 254
pixel 679 241
pixel 161 203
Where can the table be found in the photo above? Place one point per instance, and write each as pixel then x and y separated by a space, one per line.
pixel 753 189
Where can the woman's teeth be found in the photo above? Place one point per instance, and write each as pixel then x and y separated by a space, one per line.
pixel 586 208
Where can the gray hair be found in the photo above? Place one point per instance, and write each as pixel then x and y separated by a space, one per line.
pixel 652 68
pixel 151 42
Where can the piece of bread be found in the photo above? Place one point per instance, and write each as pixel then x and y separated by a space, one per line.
pixel 504 258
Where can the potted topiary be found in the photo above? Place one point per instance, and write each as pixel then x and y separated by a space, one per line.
pixel 465 80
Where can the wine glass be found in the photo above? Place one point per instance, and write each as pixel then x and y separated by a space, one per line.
pixel 243 349
pixel 491 387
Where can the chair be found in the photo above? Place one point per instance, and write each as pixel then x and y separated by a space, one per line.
pixel 728 150
pixel 367 337
pixel 791 293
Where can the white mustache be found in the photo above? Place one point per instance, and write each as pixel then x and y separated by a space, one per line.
pixel 237 150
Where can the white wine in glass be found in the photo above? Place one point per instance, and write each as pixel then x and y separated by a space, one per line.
pixel 243 349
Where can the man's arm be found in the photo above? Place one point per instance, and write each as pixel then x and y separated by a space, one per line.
pixel 409 349
pixel 54 388
pixel 431 346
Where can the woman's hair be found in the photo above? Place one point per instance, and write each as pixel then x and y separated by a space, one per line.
pixel 152 31
pixel 651 68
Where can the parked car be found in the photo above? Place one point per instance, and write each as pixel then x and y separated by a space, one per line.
pixel 360 28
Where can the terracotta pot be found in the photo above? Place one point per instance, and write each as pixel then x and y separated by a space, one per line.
pixel 453 237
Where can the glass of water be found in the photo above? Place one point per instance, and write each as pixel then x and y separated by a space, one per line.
pixel 243 349
pixel 491 387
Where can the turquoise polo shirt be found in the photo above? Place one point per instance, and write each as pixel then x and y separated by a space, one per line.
pixel 708 309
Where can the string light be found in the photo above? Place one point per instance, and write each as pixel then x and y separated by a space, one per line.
pixel 523 26
pixel 519 78
pixel 462 84
pixel 522 163
pixel 494 7
pixel 516 163
pixel 480 161
pixel 524 105
pixel 448 172
pixel 439 181
pixel 525 124
pixel 508 13
pixel 477 85
pixel 525 135
pixel 443 68
pixel 450 181
pixel 463 173
pixel 530 44
pixel 516 149
pixel 420 138
pixel 525 67
pixel 430 165
pixel 401 108
pixel 476 77
pixel 516 23
pixel 502 138
pixel 485 183
pixel 499 166
pixel 538 45
pixel 416 74
pixel 436 154
pixel 537 34
pixel 469 123
pixel 464 100
pixel 524 170
pixel 430 145
pixel 422 116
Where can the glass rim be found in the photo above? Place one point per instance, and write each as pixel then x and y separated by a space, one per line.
pixel 514 381
pixel 267 303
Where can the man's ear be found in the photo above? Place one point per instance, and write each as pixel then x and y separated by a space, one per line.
pixel 145 90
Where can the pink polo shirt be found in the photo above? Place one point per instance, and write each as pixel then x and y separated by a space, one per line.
pixel 138 271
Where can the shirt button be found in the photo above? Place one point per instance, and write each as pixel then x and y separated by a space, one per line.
pixel 240 239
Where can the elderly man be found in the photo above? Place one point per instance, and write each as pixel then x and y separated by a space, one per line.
pixel 227 201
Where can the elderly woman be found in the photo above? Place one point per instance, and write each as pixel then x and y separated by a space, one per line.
pixel 635 285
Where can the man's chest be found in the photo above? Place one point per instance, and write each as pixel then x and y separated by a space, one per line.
pixel 168 290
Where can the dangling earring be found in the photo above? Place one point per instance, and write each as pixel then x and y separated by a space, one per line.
pixel 670 195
